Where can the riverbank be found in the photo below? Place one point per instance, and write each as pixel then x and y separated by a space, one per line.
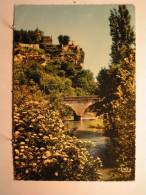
pixel 87 130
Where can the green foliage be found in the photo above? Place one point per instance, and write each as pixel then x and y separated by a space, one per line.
pixel 54 84
pixel 29 36
pixel 116 89
pixel 33 72
pixel 80 92
pixel 122 33
pixel 124 114
pixel 61 74
pixel 69 69
pixel 19 75
pixel 63 39
pixel 42 147
pixel 84 80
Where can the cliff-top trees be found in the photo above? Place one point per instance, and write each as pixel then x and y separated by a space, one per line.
pixel 30 36
pixel 63 39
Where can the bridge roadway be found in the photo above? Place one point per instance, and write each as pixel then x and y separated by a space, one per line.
pixel 79 104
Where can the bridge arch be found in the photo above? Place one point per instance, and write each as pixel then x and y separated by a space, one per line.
pixel 90 108
pixel 68 110
pixel 80 104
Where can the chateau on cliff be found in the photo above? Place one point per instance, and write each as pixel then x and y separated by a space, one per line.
pixel 34 45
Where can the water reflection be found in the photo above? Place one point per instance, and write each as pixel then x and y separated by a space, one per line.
pixel 88 130
pixel 83 125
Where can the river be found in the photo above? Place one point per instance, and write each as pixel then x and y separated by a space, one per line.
pixel 87 130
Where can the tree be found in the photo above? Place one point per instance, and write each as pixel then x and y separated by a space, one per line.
pixel 38 35
pixel 116 89
pixel 52 84
pixel 33 73
pixel 108 80
pixel 29 36
pixel 69 69
pixel 122 33
pixel 63 39
pixel 123 135
pixel 123 105
pixel 106 86
pixel 66 39
pixel 85 81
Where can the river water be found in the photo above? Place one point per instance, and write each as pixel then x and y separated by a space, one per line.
pixel 87 130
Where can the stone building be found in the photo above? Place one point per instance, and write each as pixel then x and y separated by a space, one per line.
pixel 47 40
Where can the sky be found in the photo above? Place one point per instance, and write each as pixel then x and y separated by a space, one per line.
pixel 87 26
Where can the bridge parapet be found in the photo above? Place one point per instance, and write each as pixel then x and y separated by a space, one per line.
pixel 83 98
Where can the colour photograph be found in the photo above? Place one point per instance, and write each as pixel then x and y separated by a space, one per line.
pixel 73 105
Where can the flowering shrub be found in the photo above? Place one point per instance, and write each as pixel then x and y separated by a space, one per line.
pixel 43 148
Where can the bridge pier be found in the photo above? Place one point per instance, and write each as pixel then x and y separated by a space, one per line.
pixel 77 117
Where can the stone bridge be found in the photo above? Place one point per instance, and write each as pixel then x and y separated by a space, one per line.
pixel 80 104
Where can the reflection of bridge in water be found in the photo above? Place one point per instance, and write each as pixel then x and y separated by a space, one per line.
pixel 79 104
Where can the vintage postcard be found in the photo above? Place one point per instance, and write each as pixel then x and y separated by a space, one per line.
pixel 73 96
pixel 74 92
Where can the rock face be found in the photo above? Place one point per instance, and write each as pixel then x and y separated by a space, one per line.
pixel 27 45
pixel 72 54
pixel 46 52
pixel 24 53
